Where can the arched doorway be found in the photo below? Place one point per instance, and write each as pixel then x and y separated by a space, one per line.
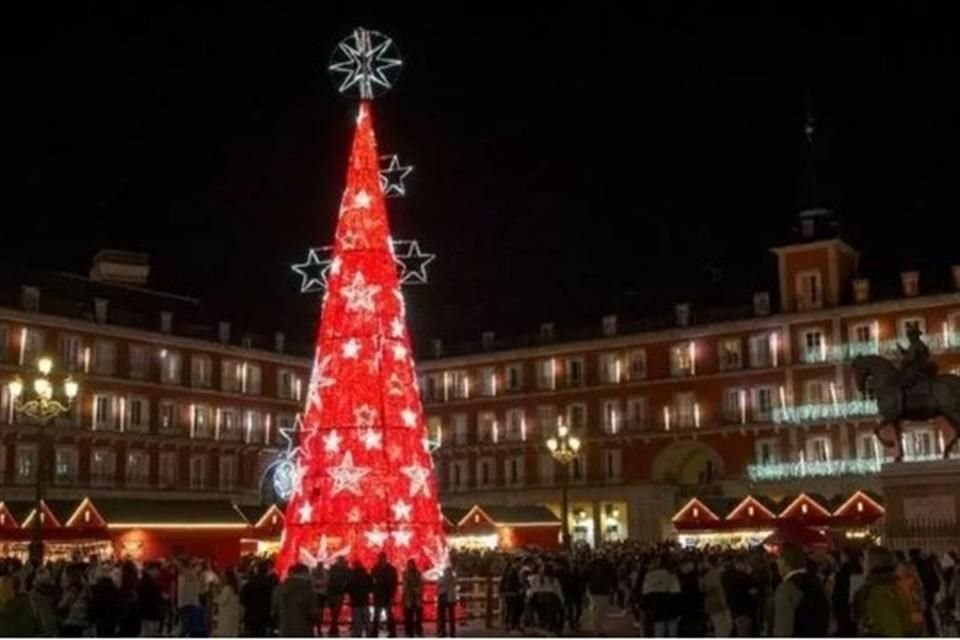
pixel 687 463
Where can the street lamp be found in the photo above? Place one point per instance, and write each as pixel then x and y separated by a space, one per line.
pixel 41 407
pixel 564 448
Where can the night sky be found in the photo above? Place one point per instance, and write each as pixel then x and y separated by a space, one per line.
pixel 568 165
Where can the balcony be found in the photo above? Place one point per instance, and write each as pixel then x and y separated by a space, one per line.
pixel 827 412
pixel 773 472
pixel 940 342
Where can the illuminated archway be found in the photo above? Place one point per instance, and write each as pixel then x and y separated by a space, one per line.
pixel 687 462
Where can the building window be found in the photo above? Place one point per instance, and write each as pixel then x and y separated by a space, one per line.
pixel 253 425
pixel 637 412
pixel 761 353
pixel 287 385
pixel 919 444
pixel 816 392
pixel 103 412
pixel 814 346
pixel 26 463
pixel 201 371
pixel 486 476
pixel 139 361
pixel 198 472
pixel 170 362
pixel 138 468
pixel 487 427
pixel 809 290
pixel 609 367
pixel 862 333
pixel 228 427
pixel 459 421
pixel 103 463
pixel 613 465
pixel 681 359
pixel 612 416
pixel 768 451
pixel 168 415
pixel 459 385
pixel 867 447
pixel 252 379
pixel 488 381
pixel 138 414
pixel 575 373
pixel 818 449
pixel 577 416
pixel 230 374
pixel 105 357
pixel 168 469
pixel 638 364
pixel 4 342
pixel 547 469
pixel 32 346
pixel 514 377
pixel 201 422
pixel 65 466
pixel 578 469
pixel 434 387
pixel 546 419
pixel 515 471
pixel 285 425
pixel 546 374
pixel 685 404
pixel 730 354
pixel 516 425
pixel 435 429
pixel 733 404
pixel 71 350
pixel 458 474
pixel 763 403
pixel 228 472
pixel 915 322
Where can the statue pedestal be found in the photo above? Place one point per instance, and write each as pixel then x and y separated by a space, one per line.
pixel 922 505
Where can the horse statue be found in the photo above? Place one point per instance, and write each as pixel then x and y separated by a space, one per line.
pixel 924 398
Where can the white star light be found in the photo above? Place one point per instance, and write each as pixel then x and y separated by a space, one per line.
pixel 323 556
pixel 372 439
pixel 364 415
pixel 396 328
pixel 305 512
pixel 351 349
pixel 319 379
pixel 418 479
pixel 350 239
pixel 409 417
pixel 394 385
pixel 362 200
pixel 313 272
pixel 413 263
pixel 331 442
pixel 359 294
pixel 346 477
pixel 399 352
pixel 369 62
pixel 393 175
pixel 439 557
pixel 401 510
pixel 376 537
pixel 402 538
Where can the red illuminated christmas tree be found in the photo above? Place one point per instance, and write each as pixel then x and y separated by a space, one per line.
pixel 364 478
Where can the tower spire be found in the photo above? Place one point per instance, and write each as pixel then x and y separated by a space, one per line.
pixel 815 218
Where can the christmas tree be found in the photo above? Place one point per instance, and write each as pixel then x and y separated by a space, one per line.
pixel 364 478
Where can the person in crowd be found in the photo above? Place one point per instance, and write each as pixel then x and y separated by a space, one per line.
pixel 189 587
pixel 167 581
pixel 17 618
pixel 848 579
pixel 715 599
pixel 43 598
pixel 336 589
pixel 447 603
pixel 761 572
pixel 105 603
pixel 412 601
pixel 128 623
pixel 547 599
pixel 571 584
pixel 321 580
pixel 512 591
pixel 150 600
pixel 880 607
pixel 800 606
pixel 255 597
pixel 931 586
pixel 599 587
pixel 741 594
pixel 691 601
pixel 359 587
pixel 227 603
pixel 661 589
pixel 74 604
pixel 295 604
pixel 385 582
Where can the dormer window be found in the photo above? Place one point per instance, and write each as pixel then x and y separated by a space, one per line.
pixel 809 290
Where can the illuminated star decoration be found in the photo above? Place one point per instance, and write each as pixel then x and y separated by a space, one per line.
pixel 393 175
pixel 315 270
pixel 305 511
pixel 402 538
pixel 323 556
pixel 359 295
pixel 412 261
pixel 418 479
pixel 439 557
pixel 401 510
pixel 368 61
pixel 331 442
pixel 346 477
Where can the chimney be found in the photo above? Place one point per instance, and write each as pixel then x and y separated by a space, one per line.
pixel 166 321
pixel 546 332
pixel 223 332
pixel 911 283
pixel 279 341
pixel 610 325
pixel 808 227
pixel 120 267
pixel 683 315
pixel 761 303
pixel 956 275
pixel 486 340
pixel 30 298
pixel 861 290
pixel 437 345
pixel 100 306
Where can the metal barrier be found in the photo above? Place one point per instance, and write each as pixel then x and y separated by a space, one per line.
pixel 480 599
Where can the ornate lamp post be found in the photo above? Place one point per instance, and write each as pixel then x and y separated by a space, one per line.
pixel 564 448
pixel 39 405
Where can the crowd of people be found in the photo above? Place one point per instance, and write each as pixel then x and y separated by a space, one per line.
pixel 652 590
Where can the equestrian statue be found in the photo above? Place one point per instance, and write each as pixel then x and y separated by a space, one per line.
pixel 913 392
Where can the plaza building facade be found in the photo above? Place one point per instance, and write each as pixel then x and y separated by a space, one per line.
pixel 763 404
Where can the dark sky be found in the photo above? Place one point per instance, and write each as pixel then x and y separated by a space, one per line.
pixel 568 164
